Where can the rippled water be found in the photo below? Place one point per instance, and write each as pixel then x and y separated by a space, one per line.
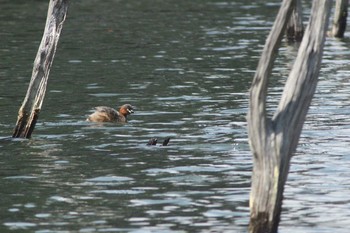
pixel 187 67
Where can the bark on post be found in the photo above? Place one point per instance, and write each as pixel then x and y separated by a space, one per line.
pixel 295 28
pixel 339 21
pixel 273 141
pixel 29 111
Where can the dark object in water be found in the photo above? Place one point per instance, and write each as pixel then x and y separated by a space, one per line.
pixel 153 142
pixel 166 141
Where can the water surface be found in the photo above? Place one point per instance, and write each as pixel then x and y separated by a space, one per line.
pixel 187 67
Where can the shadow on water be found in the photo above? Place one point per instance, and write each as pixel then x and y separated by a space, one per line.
pixel 187 68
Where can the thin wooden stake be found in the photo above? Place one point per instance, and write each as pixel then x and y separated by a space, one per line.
pixel 31 106
pixel 340 17
pixel 295 28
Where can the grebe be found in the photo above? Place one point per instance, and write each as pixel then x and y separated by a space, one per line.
pixel 107 114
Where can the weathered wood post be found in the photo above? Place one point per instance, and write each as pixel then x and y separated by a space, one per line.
pixel 295 27
pixel 273 141
pixel 29 111
pixel 340 16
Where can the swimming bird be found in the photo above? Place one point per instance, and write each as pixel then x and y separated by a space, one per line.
pixel 108 114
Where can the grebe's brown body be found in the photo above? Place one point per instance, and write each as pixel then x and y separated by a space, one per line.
pixel 107 114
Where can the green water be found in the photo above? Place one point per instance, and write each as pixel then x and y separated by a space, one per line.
pixel 187 67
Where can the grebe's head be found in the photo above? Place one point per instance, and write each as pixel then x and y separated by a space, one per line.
pixel 126 109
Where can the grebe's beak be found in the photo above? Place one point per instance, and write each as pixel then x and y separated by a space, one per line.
pixel 130 111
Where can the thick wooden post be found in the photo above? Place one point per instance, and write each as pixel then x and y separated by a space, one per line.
pixel 263 216
pixel 29 111
pixel 273 141
pixel 340 16
pixel 295 28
